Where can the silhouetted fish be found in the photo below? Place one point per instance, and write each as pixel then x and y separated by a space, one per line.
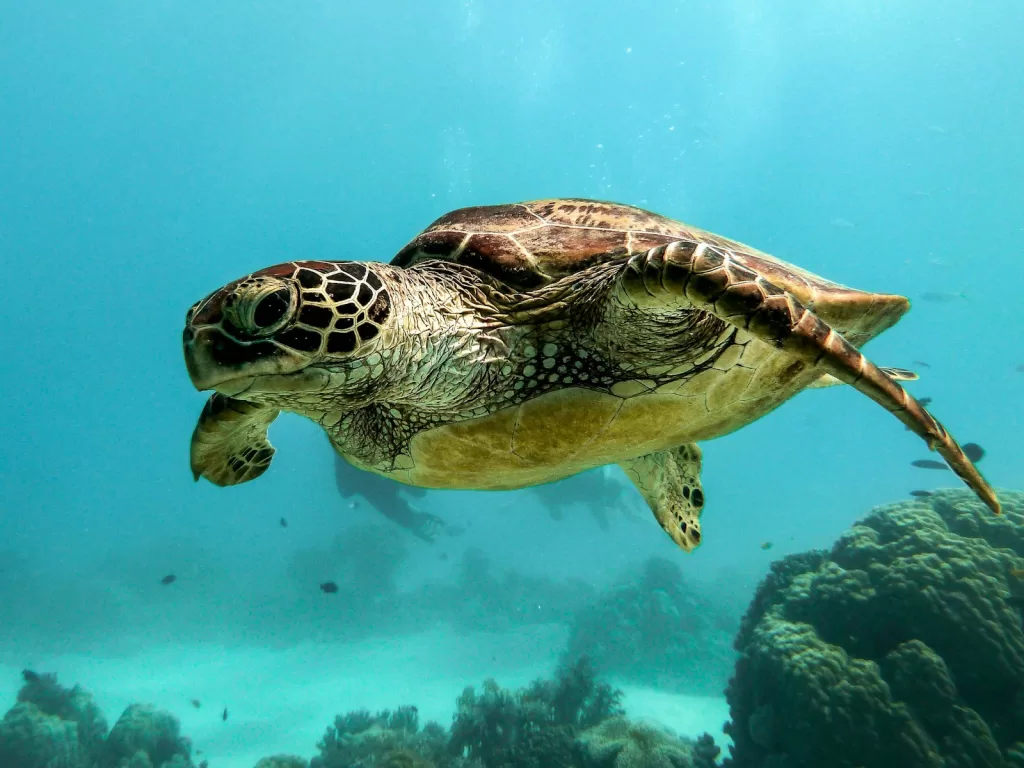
pixel 30 676
pixel 224 714
pixel 922 363
pixel 284 523
pixel 973 451
pixel 196 703
pixel 766 545
pixel 921 494
pixel 329 587
pixel 168 579
pixel 942 297
pixel 928 464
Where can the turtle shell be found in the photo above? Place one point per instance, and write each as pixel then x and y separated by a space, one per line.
pixel 530 244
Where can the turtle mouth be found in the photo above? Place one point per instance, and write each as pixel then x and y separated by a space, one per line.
pixel 308 380
pixel 234 387
pixel 218 362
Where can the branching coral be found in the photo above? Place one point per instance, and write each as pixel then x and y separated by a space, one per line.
pixel 534 726
pixel 903 646
pixel 388 739
pixel 641 628
pixel 283 761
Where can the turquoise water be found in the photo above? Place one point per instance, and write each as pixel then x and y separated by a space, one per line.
pixel 152 152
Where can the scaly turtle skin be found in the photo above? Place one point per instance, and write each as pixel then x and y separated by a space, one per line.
pixel 512 345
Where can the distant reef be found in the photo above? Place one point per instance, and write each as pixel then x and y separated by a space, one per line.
pixel 656 629
pixel 570 721
pixel 902 647
pixel 56 727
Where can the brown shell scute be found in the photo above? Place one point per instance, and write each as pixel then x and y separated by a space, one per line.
pixel 500 219
pixel 601 215
pixel 527 245
pixel 531 244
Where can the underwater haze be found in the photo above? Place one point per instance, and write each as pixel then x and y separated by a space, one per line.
pixel 151 153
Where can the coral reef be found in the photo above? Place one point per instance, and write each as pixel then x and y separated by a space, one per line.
pixel 639 630
pixel 144 736
pixel 53 726
pixel 283 761
pixel 618 743
pixel 902 647
pixel 535 726
pixel 547 724
pixel 388 739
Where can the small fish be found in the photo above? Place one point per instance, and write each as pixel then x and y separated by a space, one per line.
pixel 921 494
pixel 942 297
pixel 973 451
pixel 443 556
pixel 922 363
pixel 766 545
pixel 928 464
pixel 329 587
pixel 196 703
pixel 1017 573
pixel 204 764
pixel 30 676
pixel 168 579
pixel 284 523
pixel 224 714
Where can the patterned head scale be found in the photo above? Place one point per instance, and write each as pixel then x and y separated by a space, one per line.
pixel 283 318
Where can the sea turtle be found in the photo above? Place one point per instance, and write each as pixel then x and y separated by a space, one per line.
pixel 511 345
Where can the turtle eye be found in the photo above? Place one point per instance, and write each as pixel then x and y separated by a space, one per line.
pixel 270 309
pixel 261 307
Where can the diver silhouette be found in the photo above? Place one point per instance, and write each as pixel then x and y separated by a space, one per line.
pixel 385 496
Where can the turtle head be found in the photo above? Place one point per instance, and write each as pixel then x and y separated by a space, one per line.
pixel 293 329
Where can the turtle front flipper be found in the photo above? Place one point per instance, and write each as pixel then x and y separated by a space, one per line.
pixel 670 484
pixel 690 274
pixel 229 443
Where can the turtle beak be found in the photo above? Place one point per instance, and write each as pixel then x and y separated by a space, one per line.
pixel 201 348
pixel 217 361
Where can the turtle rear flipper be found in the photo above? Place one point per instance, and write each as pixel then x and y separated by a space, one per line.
pixel 229 443
pixel 896 374
pixel 670 484
pixel 698 275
